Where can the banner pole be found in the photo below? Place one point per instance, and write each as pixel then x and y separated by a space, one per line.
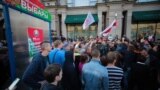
pixel 116 20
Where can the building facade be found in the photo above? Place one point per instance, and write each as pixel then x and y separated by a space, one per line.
pixel 135 18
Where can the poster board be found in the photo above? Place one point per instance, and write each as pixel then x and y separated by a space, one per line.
pixel 35 38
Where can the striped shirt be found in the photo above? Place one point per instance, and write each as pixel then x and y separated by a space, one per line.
pixel 115 75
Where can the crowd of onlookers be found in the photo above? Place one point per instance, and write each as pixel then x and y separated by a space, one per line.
pixel 95 64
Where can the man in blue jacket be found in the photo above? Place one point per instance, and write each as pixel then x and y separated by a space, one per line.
pixel 94 75
pixel 57 55
pixel 33 76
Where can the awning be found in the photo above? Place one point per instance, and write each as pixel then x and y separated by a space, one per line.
pixel 78 19
pixel 146 16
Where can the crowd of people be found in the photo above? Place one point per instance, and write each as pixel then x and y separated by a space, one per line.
pixel 95 64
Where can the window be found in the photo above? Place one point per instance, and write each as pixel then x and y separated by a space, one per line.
pixel 71 3
pixel 81 2
pixel 92 2
pixel 158 31
pixel 146 0
pixel 78 3
pixel 75 31
pixel 49 3
pixel 145 29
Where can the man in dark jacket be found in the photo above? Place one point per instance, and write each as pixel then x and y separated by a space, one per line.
pixel 33 76
pixel 139 78
pixel 145 72
pixel 103 48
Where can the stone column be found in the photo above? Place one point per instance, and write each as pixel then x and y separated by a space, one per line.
pixel 99 22
pixel 129 24
pixel 118 30
pixel 64 30
pixel 55 22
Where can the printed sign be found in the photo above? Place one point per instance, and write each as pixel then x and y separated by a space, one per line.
pixel 35 37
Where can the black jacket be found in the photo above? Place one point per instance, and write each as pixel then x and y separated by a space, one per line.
pixel 34 72
pixel 48 86
pixel 70 79
pixel 139 77
pixel 144 73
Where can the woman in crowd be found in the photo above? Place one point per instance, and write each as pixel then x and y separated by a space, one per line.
pixel 83 59
pixel 70 80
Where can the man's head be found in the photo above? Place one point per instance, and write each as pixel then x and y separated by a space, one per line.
pixel 45 46
pixel 58 44
pixel 131 47
pixel 67 46
pixel 95 53
pixel 111 44
pixel 111 57
pixel 144 52
pixel 53 73
pixel 84 58
pixel 155 47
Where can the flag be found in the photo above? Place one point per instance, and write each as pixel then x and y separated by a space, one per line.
pixel 88 21
pixel 109 28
